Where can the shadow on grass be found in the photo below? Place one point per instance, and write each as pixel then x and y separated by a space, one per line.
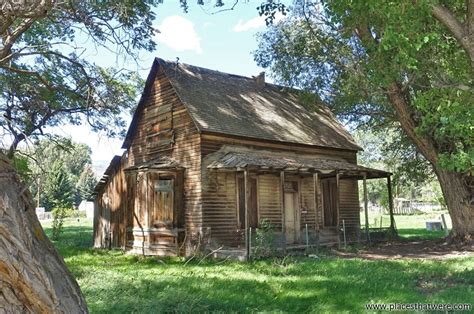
pixel 116 282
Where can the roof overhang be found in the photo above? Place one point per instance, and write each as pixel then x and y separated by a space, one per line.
pixel 264 161
pixel 105 177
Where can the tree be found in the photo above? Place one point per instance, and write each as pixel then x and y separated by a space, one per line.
pixel 390 65
pixel 34 276
pixel 412 174
pixel 58 191
pixel 43 156
pixel 87 182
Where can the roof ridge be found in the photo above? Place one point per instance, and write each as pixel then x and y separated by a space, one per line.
pixel 168 62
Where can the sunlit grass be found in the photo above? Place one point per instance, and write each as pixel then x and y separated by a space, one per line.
pixel 114 282
pixel 409 227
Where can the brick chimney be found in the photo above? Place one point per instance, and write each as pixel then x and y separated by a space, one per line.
pixel 260 80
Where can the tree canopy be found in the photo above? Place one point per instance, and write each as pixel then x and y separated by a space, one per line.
pixel 39 167
pixel 349 54
pixel 399 65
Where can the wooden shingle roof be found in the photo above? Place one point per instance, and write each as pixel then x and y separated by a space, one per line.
pixel 235 105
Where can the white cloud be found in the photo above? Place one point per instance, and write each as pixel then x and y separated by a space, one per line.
pixel 178 33
pixel 254 23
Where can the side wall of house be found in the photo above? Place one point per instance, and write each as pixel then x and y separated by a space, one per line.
pixel 164 129
pixel 220 192
pixel 110 212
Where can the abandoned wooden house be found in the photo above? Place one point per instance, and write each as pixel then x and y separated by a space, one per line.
pixel 210 155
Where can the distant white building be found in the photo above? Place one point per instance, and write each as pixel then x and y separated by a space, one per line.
pixel 87 207
pixel 42 214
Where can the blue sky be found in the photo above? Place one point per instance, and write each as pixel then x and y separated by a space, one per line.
pixel 222 41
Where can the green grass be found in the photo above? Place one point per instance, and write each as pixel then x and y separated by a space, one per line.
pixel 410 227
pixel 114 282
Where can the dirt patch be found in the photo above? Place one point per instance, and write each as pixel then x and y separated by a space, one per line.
pixel 426 249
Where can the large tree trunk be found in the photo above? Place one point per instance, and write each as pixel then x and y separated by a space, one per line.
pixel 33 276
pixel 456 187
pixel 459 198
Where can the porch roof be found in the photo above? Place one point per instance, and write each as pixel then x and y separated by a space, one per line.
pixel 270 161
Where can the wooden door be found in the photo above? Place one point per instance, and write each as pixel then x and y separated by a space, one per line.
pixel 290 218
pixel 253 203
pixel 329 202
pixel 163 203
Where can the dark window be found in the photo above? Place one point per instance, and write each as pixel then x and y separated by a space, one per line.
pixel 253 210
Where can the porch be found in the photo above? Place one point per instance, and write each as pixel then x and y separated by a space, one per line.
pixel 315 199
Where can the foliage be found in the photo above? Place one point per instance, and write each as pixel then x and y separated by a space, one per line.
pixel 300 285
pixel 58 189
pixel 412 177
pixel 74 157
pixel 59 213
pixel 86 183
pixel 351 53
pixel 46 77
pixel 264 245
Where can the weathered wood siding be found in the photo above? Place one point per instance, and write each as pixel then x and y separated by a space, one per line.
pixel 110 217
pixel 164 112
pixel 269 199
pixel 164 128
pixel 220 202
pixel 349 209
pixel 307 202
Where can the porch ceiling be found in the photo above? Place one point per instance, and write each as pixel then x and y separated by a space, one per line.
pixel 270 161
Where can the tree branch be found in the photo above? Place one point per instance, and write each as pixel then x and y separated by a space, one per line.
pixel 11 38
pixel 397 98
pixel 457 29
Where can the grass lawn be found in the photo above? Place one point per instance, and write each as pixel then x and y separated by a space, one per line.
pixel 410 227
pixel 114 282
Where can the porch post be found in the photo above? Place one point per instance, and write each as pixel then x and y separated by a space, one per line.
pixel 316 200
pixel 147 201
pixel 390 204
pixel 246 206
pixel 338 183
pixel 282 199
pixel 366 209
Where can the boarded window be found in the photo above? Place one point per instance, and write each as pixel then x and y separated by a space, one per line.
pixel 253 213
pixel 163 203
pixel 160 135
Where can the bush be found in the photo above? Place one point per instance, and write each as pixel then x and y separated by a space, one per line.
pixel 264 244
pixel 59 214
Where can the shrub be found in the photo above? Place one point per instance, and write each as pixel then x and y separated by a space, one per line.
pixel 59 214
pixel 264 244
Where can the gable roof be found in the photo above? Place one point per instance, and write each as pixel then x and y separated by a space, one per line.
pixel 230 104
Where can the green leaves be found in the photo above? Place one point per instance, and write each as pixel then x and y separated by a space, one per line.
pixel 58 190
pixel 349 52
pixel 447 118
